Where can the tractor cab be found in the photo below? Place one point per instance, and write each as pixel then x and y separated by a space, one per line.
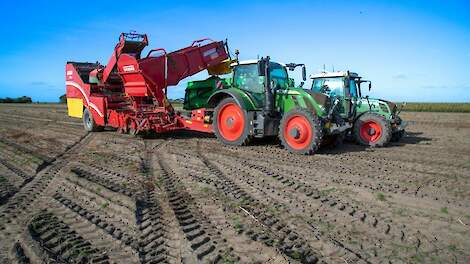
pixel 346 86
pixel 247 77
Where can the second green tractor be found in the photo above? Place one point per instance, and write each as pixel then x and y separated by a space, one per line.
pixel 375 122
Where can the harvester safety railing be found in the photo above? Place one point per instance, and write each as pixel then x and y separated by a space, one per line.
pixel 163 53
pixel 199 41
pixel 132 36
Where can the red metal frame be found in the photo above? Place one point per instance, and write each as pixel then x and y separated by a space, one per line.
pixel 130 91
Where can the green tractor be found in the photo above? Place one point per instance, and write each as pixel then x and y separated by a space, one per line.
pixel 375 122
pixel 259 100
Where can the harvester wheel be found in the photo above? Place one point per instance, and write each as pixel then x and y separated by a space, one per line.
pixel 372 130
pixel 300 132
pixel 89 123
pixel 231 124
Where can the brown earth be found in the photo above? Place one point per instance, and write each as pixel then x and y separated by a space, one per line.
pixel 67 196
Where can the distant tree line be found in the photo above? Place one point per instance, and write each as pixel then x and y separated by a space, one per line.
pixel 18 100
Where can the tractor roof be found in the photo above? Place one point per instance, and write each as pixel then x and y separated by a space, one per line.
pixel 246 62
pixel 334 74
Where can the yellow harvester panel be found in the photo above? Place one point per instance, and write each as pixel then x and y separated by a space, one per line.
pixel 219 69
pixel 75 107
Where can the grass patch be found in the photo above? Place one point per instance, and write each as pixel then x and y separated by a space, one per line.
pixel 444 210
pixel 453 248
pixel 237 224
pixel 104 205
pixel 381 197
pixel 437 107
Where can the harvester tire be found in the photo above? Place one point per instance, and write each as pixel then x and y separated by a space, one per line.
pixel 300 132
pixel 372 130
pixel 231 123
pixel 89 123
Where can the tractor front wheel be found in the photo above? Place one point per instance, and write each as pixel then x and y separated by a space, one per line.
pixel 231 124
pixel 300 132
pixel 372 130
pixel 89 123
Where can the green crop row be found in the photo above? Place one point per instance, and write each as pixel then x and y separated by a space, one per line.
pixel 437 107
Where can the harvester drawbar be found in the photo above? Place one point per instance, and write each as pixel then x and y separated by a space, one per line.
pixel 129 93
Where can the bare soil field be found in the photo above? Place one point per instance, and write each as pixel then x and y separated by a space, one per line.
pixel 71 197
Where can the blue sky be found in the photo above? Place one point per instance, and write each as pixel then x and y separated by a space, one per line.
pixel 411 50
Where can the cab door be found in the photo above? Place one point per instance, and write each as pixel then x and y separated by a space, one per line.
pixel 247 79
pixel 350 98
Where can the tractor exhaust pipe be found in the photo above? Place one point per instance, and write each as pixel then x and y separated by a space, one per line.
pixel 263 69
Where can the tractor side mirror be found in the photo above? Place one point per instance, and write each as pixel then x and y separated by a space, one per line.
pixel 370 85
pixel 304 73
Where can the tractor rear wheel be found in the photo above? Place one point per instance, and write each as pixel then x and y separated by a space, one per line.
pixel 372 130
pixel 300 132
pixel 231 124
pixel 89 123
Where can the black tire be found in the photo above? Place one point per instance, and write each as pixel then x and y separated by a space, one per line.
pixel 383 124
pixel 312 143
pixel 244 138
pixel 397 136
pixel 89 123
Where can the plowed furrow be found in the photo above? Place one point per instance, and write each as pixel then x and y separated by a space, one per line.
pixel 98 221
pixel 62 243
pixel 107 183
pixel 197 230
pixel 152 244
pixel 342 171
pixel 327 208
pixel 289 242
pixel 44 158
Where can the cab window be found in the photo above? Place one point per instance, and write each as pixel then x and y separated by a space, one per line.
pixel 246 78
pixel 331 86
pixel 279 75
pixel 353 88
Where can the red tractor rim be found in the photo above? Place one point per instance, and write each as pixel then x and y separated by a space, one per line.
pixel 298 132
pixel 231 122
pixel 371 131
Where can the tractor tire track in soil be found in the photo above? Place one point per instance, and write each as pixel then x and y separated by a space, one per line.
pixel 200 234
pixel 22 202
pixel 68 197
pixel 275 231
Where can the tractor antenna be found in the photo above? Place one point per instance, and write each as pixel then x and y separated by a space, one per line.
pixel 333 68
pixel 324 68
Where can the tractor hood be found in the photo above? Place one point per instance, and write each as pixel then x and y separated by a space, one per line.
pixel 383 107
pixel 391 105
pixel 320 98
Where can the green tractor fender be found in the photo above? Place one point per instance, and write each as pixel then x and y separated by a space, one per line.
pixel 239 96
pixel 300 98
